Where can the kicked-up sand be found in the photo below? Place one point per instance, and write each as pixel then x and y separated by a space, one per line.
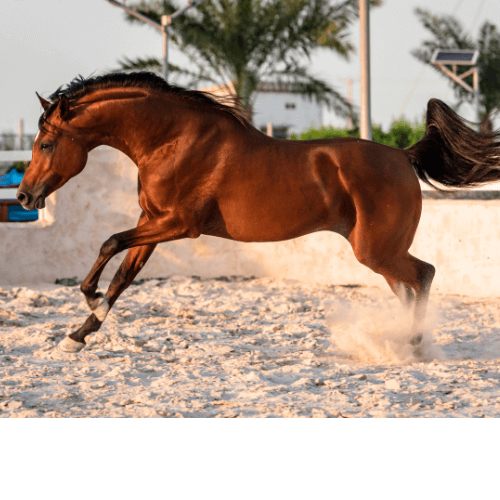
pixel 237 347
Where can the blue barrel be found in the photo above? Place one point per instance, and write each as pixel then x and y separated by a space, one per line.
pixel 12 177
pixel 16 213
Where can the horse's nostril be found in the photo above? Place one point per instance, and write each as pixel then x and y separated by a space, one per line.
pixel 23 198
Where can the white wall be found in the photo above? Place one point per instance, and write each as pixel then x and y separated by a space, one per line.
pixel 460 237
pixel 270 107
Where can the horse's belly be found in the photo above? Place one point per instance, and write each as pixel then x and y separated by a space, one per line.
pixel 276 219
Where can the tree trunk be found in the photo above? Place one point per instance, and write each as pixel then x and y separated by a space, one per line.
pixel 245 87
pixel 486 124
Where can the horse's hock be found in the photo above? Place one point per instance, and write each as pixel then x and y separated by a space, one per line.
pixel 459 237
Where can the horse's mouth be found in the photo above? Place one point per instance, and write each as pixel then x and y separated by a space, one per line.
pixel 40 202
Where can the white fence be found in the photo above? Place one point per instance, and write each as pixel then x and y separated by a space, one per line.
pixel 24 155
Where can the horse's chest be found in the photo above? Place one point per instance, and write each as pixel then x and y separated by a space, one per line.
pixel 169 193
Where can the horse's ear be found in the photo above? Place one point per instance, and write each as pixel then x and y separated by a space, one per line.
pixel 63 107
pixel 43 101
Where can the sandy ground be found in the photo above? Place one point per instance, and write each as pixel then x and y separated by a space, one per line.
pixel 234 347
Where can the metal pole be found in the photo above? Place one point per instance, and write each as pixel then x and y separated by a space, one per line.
pixel 364 21
pixel 349 100
pixel 164 33
pixel 163 27
pixel 475 86
pixel 21 133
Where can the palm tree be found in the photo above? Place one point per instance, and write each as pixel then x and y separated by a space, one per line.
pixel 251 41
pixel 449 34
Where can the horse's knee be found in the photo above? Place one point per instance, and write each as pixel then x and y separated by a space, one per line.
pixel 110 247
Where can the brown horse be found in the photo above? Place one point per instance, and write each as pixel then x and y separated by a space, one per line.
pixel 204 169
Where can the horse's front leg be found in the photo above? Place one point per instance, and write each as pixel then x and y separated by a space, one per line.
pixel 88 287
pixel 159 229
pixel 134 261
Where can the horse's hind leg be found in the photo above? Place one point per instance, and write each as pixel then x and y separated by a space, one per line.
pixel 403 275
pixel 403 292
pixel 409 278
pixel 425 275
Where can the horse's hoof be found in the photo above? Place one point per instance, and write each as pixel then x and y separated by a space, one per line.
pixel 416 340
pixel 67 344
pixel 418 353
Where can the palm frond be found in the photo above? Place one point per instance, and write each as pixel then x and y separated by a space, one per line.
pixel 148 64
pixel 246 40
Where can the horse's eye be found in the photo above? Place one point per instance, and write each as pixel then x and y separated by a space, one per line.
pixel 46 147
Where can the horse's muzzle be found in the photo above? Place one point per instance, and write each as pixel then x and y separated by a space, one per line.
pixel 30 202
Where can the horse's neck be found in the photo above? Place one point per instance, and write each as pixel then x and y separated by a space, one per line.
pixel 127 121
pixel 141 125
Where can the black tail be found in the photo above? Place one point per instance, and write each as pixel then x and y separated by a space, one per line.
pixel 452 154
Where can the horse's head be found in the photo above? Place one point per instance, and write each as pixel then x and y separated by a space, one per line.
pixel 59 153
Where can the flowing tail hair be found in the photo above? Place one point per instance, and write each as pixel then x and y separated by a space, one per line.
pixel 452 154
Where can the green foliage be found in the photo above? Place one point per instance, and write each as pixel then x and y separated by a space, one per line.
pixel 326 133
pixel 401 135
pixel 20 166
pixel 378 134
pixel 67 281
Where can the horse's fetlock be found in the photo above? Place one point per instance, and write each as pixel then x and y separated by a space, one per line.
pixel 102 308
pixel 87 288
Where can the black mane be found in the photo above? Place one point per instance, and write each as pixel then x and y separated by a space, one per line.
pixel 81 86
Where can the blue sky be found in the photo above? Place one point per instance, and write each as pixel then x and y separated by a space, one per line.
pixel 46 43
